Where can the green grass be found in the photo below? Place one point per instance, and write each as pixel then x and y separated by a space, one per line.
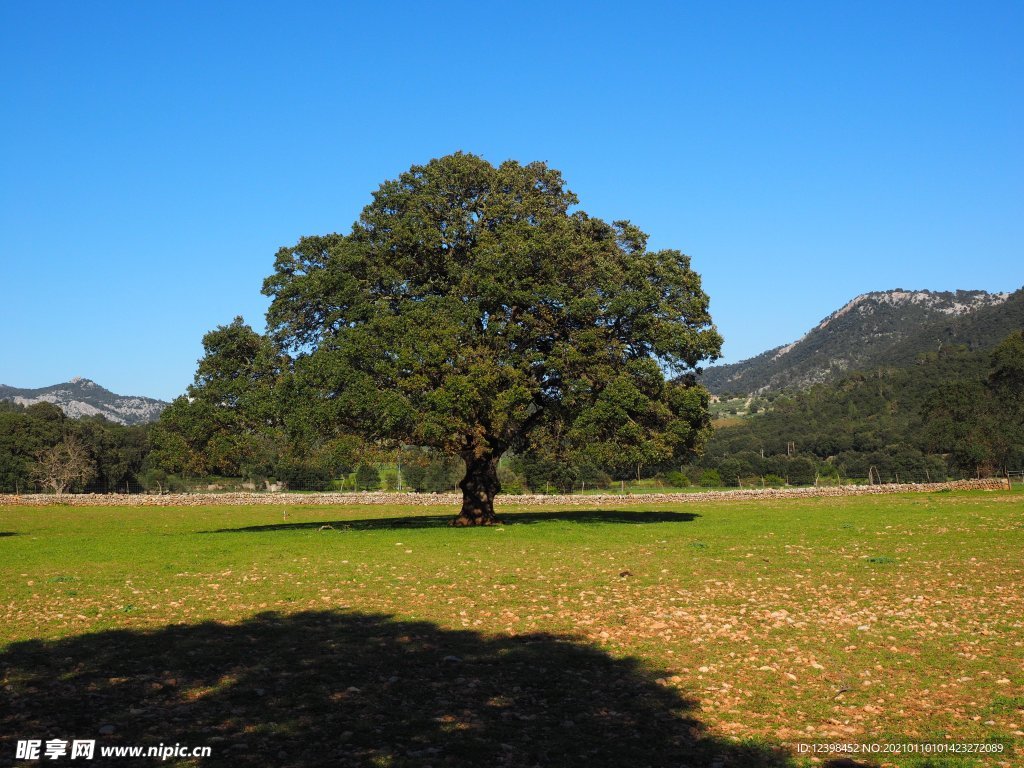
pixel 710 634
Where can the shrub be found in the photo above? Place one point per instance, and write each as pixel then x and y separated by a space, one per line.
pixel 413 475
pixel 694 473
pixel 729 470
pixel 677 479
pixel 367 478
pixel 801 471
pixel 510 482
pixel 710 478
pixel 593 477
pixel 442 475
pixel 158 481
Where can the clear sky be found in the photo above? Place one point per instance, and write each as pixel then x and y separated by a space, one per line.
pixel 156 154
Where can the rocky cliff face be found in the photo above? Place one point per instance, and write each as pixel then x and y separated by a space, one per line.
pixel 875 329
pixel 82 397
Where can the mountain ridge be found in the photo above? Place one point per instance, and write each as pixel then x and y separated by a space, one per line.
pixel 82 397
pixel 875 329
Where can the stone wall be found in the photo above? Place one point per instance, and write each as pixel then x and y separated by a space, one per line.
pixel 455 500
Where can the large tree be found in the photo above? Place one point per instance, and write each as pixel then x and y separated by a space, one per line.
pixel 230 419
pixel 472 309
pixel 244 415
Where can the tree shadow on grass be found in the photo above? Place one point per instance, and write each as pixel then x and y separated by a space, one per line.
pixel 590 516
pixel 5 534
pixel 348 689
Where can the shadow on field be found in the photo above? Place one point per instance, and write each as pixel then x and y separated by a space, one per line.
pixel 590 516
pixel 348 689
pixel 5 534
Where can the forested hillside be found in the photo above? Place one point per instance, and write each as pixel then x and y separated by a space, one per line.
pixel 956 412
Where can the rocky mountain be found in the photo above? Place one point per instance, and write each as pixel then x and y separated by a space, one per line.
pixel 82 397
pixel 882 328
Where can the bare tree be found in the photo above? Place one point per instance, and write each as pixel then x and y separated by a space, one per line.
pixel 62 465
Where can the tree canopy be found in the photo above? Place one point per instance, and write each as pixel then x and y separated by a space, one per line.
pixel 243 416
pixel 473 309
pixel 229 422
pixel 41 448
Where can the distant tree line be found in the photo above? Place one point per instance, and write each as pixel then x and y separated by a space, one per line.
pixel 953 413
pixel 40 448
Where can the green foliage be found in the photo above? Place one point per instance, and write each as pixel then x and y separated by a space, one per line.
pixel 245 415
pixel 24 432
pixel 115 453
pixel 429 471
pixel 537 469
pixel 510 481
pixel 229 423
pixel 802 471
pixel 471 311
pixel 677 479
pixel 729 471
pixel 1006 382
pixel 593 477
pixel 389 480
pixel 367 478
pixel 710 478
pixel 1006 376
pixel 156 480
pixel 118 453
pixel 828 474
pixel 540 472
pixel 956 412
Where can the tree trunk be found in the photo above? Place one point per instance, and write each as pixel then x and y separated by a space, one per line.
pixel 479 487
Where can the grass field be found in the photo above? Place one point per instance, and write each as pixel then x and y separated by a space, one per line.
pixel 718 634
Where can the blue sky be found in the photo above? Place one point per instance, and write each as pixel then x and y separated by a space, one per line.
pixel 155 155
